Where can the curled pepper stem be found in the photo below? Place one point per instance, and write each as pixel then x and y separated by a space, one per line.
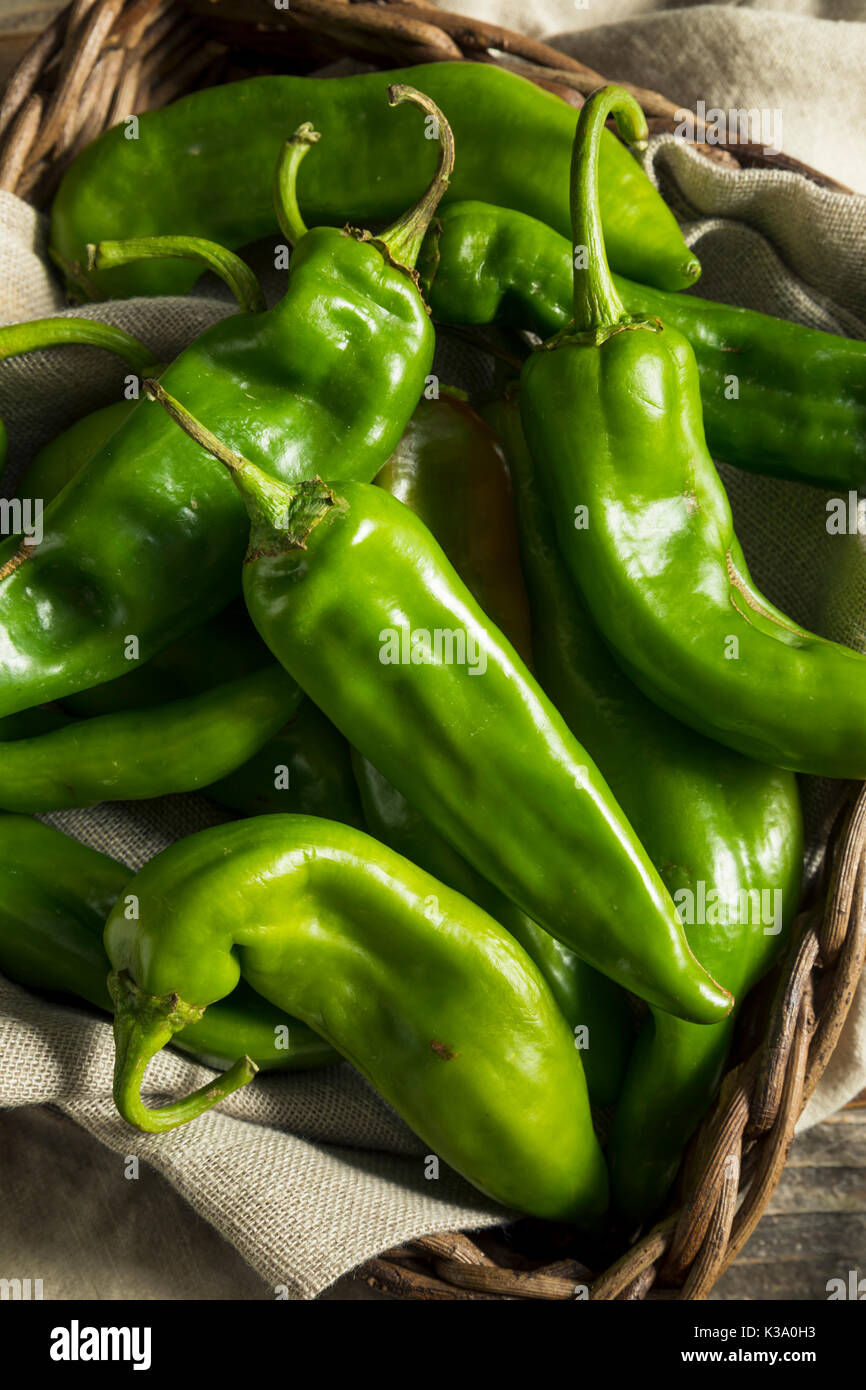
pixel 293 154
pixel 597 305
pixel 404 237
pixel 143 1024
pixel 38 334
pixel 281 517
pixel 105 255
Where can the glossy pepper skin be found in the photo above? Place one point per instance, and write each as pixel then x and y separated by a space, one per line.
pixel 716 825
pixel 612 415
pixel 63 457
pixel 465 732
pixel 214 653
pixel 180 746
pixel 450 469
pixel 146 541
pixel 431 1000
pixel 55 894
pixel 304 768
pixel 203 166
pixel 801 408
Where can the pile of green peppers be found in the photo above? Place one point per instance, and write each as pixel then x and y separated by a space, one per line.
pixel 506 736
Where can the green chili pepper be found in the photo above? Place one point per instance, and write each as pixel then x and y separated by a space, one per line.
pixel 55 894
pixel 178 747
pixel 304 768
pixel 724 832
pixel 59 461
pixel 450 470
pixel 209 655
pixel 800 405
pixel 417 678
pixel 612 415
pixel 144 541
pixel 427 996
pixel 204 164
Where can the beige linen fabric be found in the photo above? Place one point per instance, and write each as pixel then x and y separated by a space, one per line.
pixel 805 58
pixel 308 1175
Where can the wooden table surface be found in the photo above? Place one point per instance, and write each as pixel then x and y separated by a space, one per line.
pixel 814 1230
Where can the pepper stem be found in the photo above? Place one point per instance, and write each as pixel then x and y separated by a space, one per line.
pixel 224 263
pixel 281 517
pixel 294 152
pixel 38 334
pixel 403 239
pixel 596 302
pixel 143 1024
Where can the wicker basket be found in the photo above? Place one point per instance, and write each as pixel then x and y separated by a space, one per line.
pixel 102 59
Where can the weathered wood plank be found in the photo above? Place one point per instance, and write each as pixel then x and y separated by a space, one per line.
pixel 816 1190
pixel 837 1143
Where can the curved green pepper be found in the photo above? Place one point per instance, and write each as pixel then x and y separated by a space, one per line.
pixel 800 406
pixel 55 894
pixel 146 542
pixel 429 998
pixel 724 832
pixel 612 415
pixel 203 166
pixel 450 470
pixel 417 678
pixel 178 747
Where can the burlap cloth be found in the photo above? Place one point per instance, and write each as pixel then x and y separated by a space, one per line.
pixel 309 1175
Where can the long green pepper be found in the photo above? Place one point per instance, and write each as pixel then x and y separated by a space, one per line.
pixel 134 754
pixel 724 832
pixel 612 413
pixel 471 741
pixel 450 470
pixel 203 166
